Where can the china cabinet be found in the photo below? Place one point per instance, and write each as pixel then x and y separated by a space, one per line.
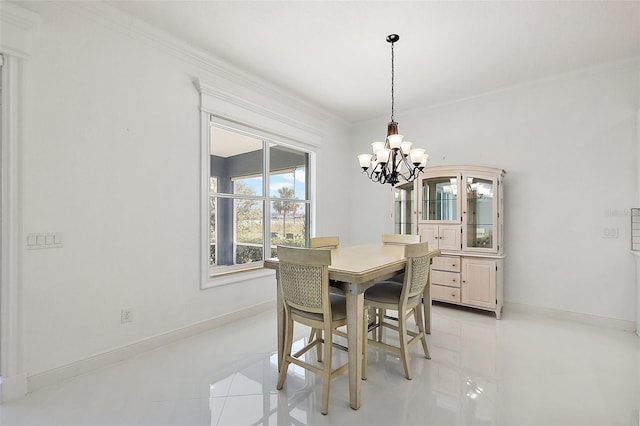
pixel 460 212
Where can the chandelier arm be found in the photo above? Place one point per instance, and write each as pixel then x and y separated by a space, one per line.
pixel 383 175
pixel 408 177
pixel 412 170
pixel 372 174
pixel 406 162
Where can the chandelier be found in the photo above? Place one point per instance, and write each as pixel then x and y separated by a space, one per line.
pixel 393 161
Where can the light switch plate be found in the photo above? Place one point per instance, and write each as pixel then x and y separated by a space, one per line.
pixel 44 240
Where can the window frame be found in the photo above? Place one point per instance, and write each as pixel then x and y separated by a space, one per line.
pixel 243 272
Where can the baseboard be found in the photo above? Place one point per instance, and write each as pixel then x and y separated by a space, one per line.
pixel 104 359
pixel 614 323
pixel 13 388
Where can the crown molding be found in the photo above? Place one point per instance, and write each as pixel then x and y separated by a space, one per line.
pixel 310 134
pixel 15 25
pixel 18 16
pixel 173 46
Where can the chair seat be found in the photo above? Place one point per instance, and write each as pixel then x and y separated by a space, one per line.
pixel 387 292
pixel 338 309
pixel 397 278
pixel 384 292
pixel 336 287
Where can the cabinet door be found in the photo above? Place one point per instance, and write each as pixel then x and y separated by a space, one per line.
pixel 479 282
pixel 480 213
pixel 449 237
pixel 403 212
pixel 443 237
pixel 438 199
pixel 429 234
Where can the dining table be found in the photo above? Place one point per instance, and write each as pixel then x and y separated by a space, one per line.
pixel 357 268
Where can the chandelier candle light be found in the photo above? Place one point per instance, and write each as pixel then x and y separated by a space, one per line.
pixel 393 160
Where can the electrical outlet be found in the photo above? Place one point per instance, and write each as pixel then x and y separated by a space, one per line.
pixel 126 315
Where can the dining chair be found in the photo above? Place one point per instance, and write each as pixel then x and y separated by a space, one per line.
pixel 400 239
pixel 406 299
pixel 304 286
pixel 397 239
pixel 329 242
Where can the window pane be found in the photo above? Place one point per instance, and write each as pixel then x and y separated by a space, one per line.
pixel 212 230
pixel 247 185
pixel 288 177
pixel 288 223
pixel 238 236
pixel 249 231
pixel 236 157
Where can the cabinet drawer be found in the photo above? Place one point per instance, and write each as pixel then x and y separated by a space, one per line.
pixel 450 279
pixel 448 294
pixel 444 263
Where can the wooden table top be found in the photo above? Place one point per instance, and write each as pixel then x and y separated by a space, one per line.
pixel 361 264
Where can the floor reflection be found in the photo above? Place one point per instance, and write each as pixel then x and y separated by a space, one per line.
pixel 521 370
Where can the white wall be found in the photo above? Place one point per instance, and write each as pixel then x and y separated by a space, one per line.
pixel 111 160
pixel 568 145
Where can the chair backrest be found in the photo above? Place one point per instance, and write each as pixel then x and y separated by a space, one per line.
pixel 418 268
pixel 304 278
pixel 324 242
pixel 400 239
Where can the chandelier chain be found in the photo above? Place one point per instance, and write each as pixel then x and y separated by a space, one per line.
pixel 392 84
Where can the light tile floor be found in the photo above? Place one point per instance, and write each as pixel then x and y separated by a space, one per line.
pixel 522 370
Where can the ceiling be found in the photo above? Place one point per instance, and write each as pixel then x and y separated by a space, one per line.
pixel 333 54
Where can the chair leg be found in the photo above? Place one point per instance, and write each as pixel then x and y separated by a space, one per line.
pixel 427 318
pixel 288 343
pixel 379 330
pixel 420 322
pixel 365 338
pixel 372 318
pixel 326 372
pixel 318 335
pixel 404 353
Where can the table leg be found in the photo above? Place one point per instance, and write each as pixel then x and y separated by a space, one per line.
pixel 355 313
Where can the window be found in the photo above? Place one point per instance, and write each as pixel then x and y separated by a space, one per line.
pixel 258 198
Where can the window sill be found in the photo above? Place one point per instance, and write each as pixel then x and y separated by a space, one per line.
pixel 238 276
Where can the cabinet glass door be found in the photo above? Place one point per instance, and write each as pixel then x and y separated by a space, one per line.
pixel 440 199
pixel 481 214
pixel 403 213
